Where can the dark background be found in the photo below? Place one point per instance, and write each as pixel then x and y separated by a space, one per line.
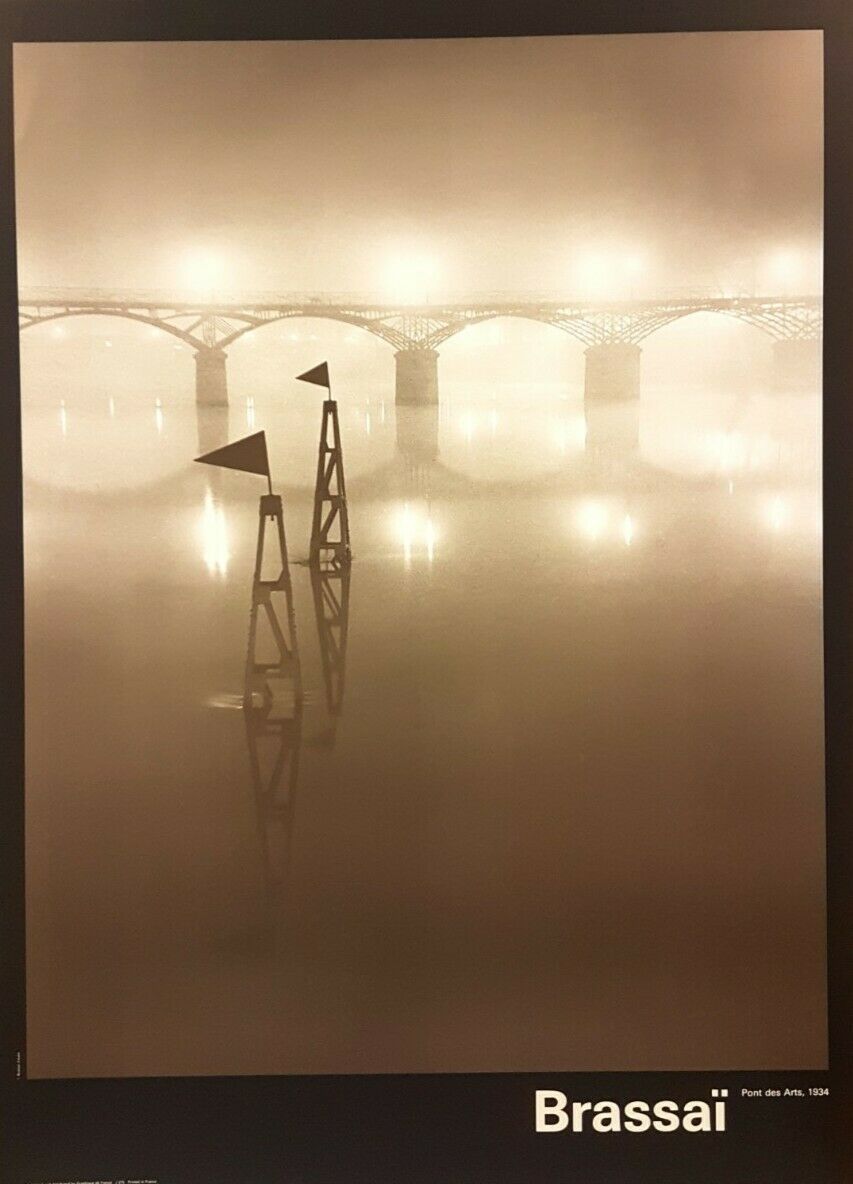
pixel 435 1128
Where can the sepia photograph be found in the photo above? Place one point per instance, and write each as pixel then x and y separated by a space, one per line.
pixel 423 618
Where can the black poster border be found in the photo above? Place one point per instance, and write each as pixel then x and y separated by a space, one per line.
pixel 460 1128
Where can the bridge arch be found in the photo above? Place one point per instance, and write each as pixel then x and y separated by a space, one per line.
pixel 777 324
pixel 577 329
pixel 121 314
pixel 374 328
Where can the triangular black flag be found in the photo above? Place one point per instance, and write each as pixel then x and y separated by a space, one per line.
pixel 319 375
pixel 249 455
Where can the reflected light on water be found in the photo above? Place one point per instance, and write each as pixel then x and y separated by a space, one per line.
pixel 214 537
pixel 112 407
pixel 63 418
pixel 592 519
pixel 415 530
pixel 734 451
pixel 599 520
pixel 250 414
pixel 569 433
pixel 158 417
pixel 726 449
pixel 777 514
pixel 468 426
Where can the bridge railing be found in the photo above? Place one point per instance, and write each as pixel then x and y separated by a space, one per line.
pixel 163 298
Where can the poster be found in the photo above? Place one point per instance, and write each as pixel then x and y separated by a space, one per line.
pixel 430 716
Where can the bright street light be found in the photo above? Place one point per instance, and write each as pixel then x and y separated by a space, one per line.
pixel 203 271
pixel 608 274
pixel 786 270
pixel 409 278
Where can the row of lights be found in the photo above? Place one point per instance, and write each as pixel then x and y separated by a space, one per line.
pixel 414 275
pixel 159 419
pixel 414 528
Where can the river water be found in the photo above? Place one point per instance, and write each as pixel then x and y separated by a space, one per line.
pixel 566 811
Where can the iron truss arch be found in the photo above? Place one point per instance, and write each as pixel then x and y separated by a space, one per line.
pixel 216 325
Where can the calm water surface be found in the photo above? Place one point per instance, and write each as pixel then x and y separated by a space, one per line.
pixel 569 814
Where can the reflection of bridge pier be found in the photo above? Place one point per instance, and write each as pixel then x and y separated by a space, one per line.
pixel 612 435
pixel 417 377
pixel 612 372
pixel 417 432
pixel 797 363
pixel 211 383
pixel 214 428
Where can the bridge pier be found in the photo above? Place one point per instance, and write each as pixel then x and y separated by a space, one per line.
pixel 214 429
pixel 612 372
pixel 211 383
pixel 417 377
pixel 797 363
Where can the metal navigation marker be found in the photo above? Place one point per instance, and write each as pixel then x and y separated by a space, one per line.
pixel 330 544
pixel 319 376
pixel 273 681
pixel 248 455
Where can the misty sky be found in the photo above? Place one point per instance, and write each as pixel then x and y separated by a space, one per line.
pixel 305 164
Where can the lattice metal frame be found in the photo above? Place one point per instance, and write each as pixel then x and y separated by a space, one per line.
pixel 217 325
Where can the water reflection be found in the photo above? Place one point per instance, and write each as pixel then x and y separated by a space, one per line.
pixel 272 694
pixel 415 531
pixel 214 536
pixel 519 764
pixel 272 711
pixel 330 590
pixel 213 427
pixel 611 440
pixel 417 434
pixel 597 520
